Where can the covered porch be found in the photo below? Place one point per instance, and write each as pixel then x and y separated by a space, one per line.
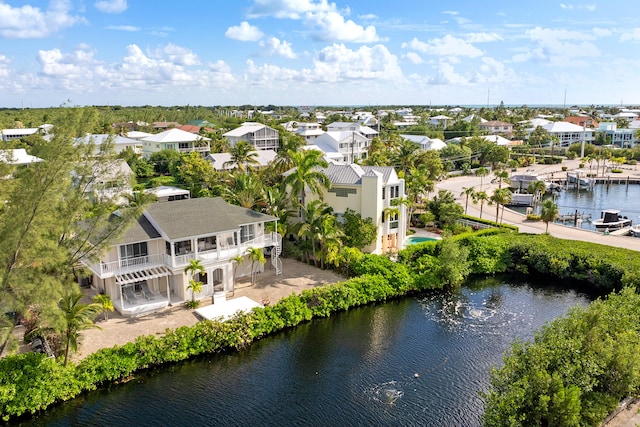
pixel 141 292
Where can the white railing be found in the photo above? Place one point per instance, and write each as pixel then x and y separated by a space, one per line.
pixel 127 264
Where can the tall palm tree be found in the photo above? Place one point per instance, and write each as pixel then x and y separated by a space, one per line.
pixel 195 288
pixel 502 176
pixel 76 318
pixel 482 172
pixel 105 303
pixel 500 197
pixel 237 261
pixel 330 239
pixel 256 255
pixel 306 174
pixel 549 213
pixel 404 155
pixel 243 156
pixel 244 190
pixel 538 188
pixel 313 213
pixel 482 197
pixel 194 267
pixel 467 192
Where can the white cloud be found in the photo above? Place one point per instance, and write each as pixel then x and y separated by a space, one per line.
pixel 274 46
pixel 129 28
pixel 448 46
pixel 483 37
pixel 337 63
pixel 414 58
pixel 177 54
pixel 77 71
pixel 244 32
pixel 558 47
pixel 111 6
pixel 28 22
pixel 289 9
pixel 493 71
pixel 4 66
pixel 334 28
pixel 447 75
pixel 368 16
pixel 602 32
pixel 588 7
pixel 633 35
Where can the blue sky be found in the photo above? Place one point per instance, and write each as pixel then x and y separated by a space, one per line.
pixel 317 52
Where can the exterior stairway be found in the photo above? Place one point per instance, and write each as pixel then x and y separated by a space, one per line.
pixel 275 255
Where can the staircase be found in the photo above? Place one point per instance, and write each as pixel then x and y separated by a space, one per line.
pixel 275 254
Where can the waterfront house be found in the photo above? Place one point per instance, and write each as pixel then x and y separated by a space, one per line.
pixel 497 127
pixel 144 270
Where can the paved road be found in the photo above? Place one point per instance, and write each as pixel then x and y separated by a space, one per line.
pixel 457 184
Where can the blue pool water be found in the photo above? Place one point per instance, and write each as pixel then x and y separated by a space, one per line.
pixel 418 239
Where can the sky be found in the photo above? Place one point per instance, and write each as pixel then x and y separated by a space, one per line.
pixel 318 52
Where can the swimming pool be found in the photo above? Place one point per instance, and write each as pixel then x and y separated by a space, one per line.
pixel 418 239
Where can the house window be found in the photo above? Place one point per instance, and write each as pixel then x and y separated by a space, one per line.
pixel 343 192
pixel 183 145
pixel 183 247
pixel 206 243
pixel 134 250
pixel 247 232
pixel 167 248
pixel 384 191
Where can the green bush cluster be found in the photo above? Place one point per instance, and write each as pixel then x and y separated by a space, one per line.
pixel 574 372
pixel 489 222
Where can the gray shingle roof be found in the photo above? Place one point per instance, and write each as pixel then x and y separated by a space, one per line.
pixel 140 231
pixel 352 174
pixel 196 217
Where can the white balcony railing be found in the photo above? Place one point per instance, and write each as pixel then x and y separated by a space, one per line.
pixel 221 253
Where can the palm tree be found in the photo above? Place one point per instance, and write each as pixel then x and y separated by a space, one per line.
pixel 538 188
pixel 306 174
pixel 243 156
pixel 195 288
pixel 502 176
pixel 330 239
pixel 482 172
pixel 480 196
pixel 105 303
pixel 256 255
pixel 467 192
pixel 194 267
pixel 310 229
pixel 237 261
pixel 500 197
pixel 76 317
pixel 549 213
pixel 244 190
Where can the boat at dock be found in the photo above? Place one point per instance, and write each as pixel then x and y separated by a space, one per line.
pixel 611 220
pixel 576 216
pixel 635 230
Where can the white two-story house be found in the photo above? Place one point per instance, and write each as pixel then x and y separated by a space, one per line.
pixel 261 136
pixel 176 140
pixel 145 270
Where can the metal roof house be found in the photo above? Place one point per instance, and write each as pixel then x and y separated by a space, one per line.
pixel 144 270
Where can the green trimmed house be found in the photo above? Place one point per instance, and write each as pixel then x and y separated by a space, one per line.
pixel 145 270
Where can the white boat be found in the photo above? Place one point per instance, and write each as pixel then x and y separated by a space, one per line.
pixel 611 220
pixel 635 230
pixel 521 181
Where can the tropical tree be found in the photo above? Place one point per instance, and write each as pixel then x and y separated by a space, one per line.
pixel 243 156
pixel 311 228
pixel 330 239
pixel 538 188
pixel 549 213
pixel 244 190
pixel 467 192
pixel 501 197
pixel 482 172
pixel 194 267
pixel 237 261
pixel 76 317
pixel 195 287
pixel 358 232
pixel 306 174
pixel 502 175
pixel 256 255
pixel 482 197
pixel 105 303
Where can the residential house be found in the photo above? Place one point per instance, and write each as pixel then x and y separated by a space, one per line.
pixel 144 270
pixel 474 117
pixel 369 190
pixel 623 138
pixel 17 156
pixel 120 143
pixel 309 131
pixel 567 133
pixel 366 131
pixel 261 136
pixel 497 127
pixel 345 147
pixel 11 134
pixel 223 162
pixel 164 125
pixel 166 193
pixel 440 120
pixel 107 180
pixel 584 121
pixel 425 142
pixel 177 140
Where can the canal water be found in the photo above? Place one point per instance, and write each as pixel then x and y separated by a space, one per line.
pixel 624 198
pixel 419 361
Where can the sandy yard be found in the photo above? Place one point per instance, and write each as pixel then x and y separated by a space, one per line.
pixel 118 330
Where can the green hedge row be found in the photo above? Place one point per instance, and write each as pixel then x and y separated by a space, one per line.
pixel 489 222
pixel 30 383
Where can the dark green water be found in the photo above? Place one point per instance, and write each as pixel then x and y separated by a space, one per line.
pixel 355 368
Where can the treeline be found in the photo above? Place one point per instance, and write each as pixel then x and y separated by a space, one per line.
pixel 30 383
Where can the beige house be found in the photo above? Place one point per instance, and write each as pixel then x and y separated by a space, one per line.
pixel 144 270
pixel 369 191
